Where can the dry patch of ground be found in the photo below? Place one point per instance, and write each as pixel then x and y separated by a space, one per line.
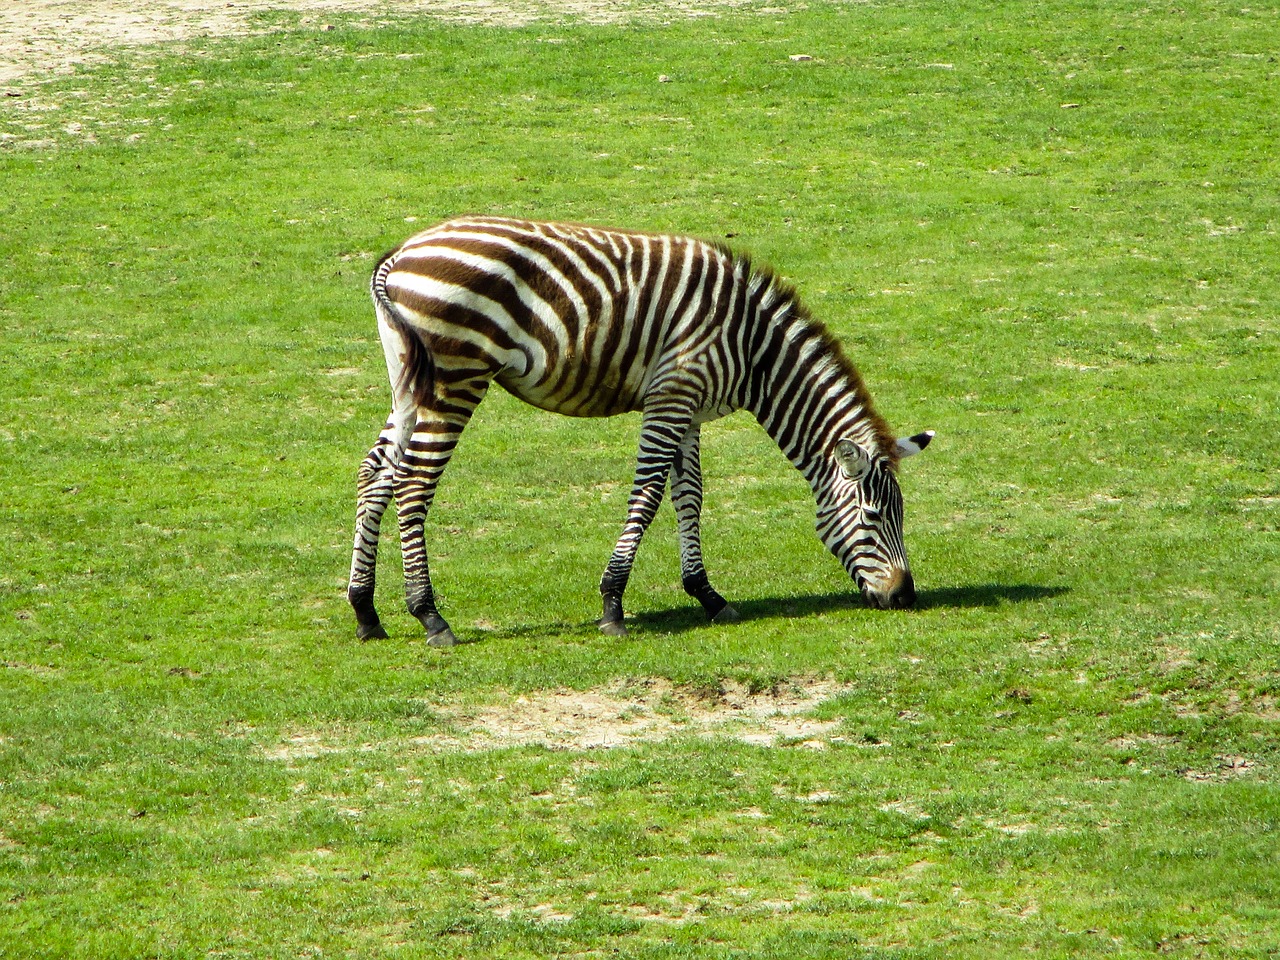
pixel 1225 768
pixel 647 710
pixel 38 37
pixel 623 713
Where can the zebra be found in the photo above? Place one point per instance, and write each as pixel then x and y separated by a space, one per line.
pixel 593 322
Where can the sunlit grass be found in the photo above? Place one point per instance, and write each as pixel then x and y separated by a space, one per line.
pixel 1050 237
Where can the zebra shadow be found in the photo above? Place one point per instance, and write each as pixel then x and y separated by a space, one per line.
pixel 682 618
pixel 986 595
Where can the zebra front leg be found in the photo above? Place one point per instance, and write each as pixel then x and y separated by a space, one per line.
pixel 644 502
pixel 660 433
pixel 417 474
pixel 686 497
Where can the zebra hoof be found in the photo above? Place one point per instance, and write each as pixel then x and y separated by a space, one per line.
pixel 613 628
pixel 727 614
pixel 442 638
pixel 370 631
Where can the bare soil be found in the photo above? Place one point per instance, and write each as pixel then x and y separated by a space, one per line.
pixel 623 713
pixel 39 37
pixel 647 710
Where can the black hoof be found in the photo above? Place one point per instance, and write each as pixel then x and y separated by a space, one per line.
pixel 442 638
pixel 370 631
pixel 438 632
pixel 613 628
pixel 727 615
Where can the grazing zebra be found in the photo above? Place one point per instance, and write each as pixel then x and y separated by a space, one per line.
pixel 592 322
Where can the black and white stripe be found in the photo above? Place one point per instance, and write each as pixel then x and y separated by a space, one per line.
pixel 593 322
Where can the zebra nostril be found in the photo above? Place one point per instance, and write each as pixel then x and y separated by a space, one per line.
pixel 902 593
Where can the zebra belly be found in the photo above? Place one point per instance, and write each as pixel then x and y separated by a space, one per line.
pixel 576 391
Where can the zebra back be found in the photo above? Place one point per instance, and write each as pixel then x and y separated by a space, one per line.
pixel 592 322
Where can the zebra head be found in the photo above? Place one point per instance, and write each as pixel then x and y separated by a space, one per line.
pixel 860 521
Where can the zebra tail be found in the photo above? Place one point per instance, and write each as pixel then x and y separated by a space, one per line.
pixel 419 371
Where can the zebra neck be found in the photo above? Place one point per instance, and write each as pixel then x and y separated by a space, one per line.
pixel 807 395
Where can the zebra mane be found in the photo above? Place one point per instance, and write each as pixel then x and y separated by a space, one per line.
pixel 785 308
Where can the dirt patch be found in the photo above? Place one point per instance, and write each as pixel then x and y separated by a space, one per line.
pixel 307 745
pixel 626 712
pixel 649 710
pixel 1225 768
pixel 38 669
pixel 38 37
pixel 1138 740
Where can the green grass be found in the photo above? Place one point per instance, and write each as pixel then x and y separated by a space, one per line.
pixel 1070 748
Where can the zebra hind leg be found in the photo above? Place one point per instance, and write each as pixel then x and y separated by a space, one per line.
pixel 373 493
pixel 686 498
pixel 434 438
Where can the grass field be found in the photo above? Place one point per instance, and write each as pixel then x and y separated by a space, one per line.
pixel 1050 235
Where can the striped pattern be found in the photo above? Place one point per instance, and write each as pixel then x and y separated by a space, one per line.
pixel 593 322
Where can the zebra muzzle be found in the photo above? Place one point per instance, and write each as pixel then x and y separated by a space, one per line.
pixel 898 594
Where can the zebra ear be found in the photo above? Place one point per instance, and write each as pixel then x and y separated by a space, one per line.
pixel 852 460
pixel 913 445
